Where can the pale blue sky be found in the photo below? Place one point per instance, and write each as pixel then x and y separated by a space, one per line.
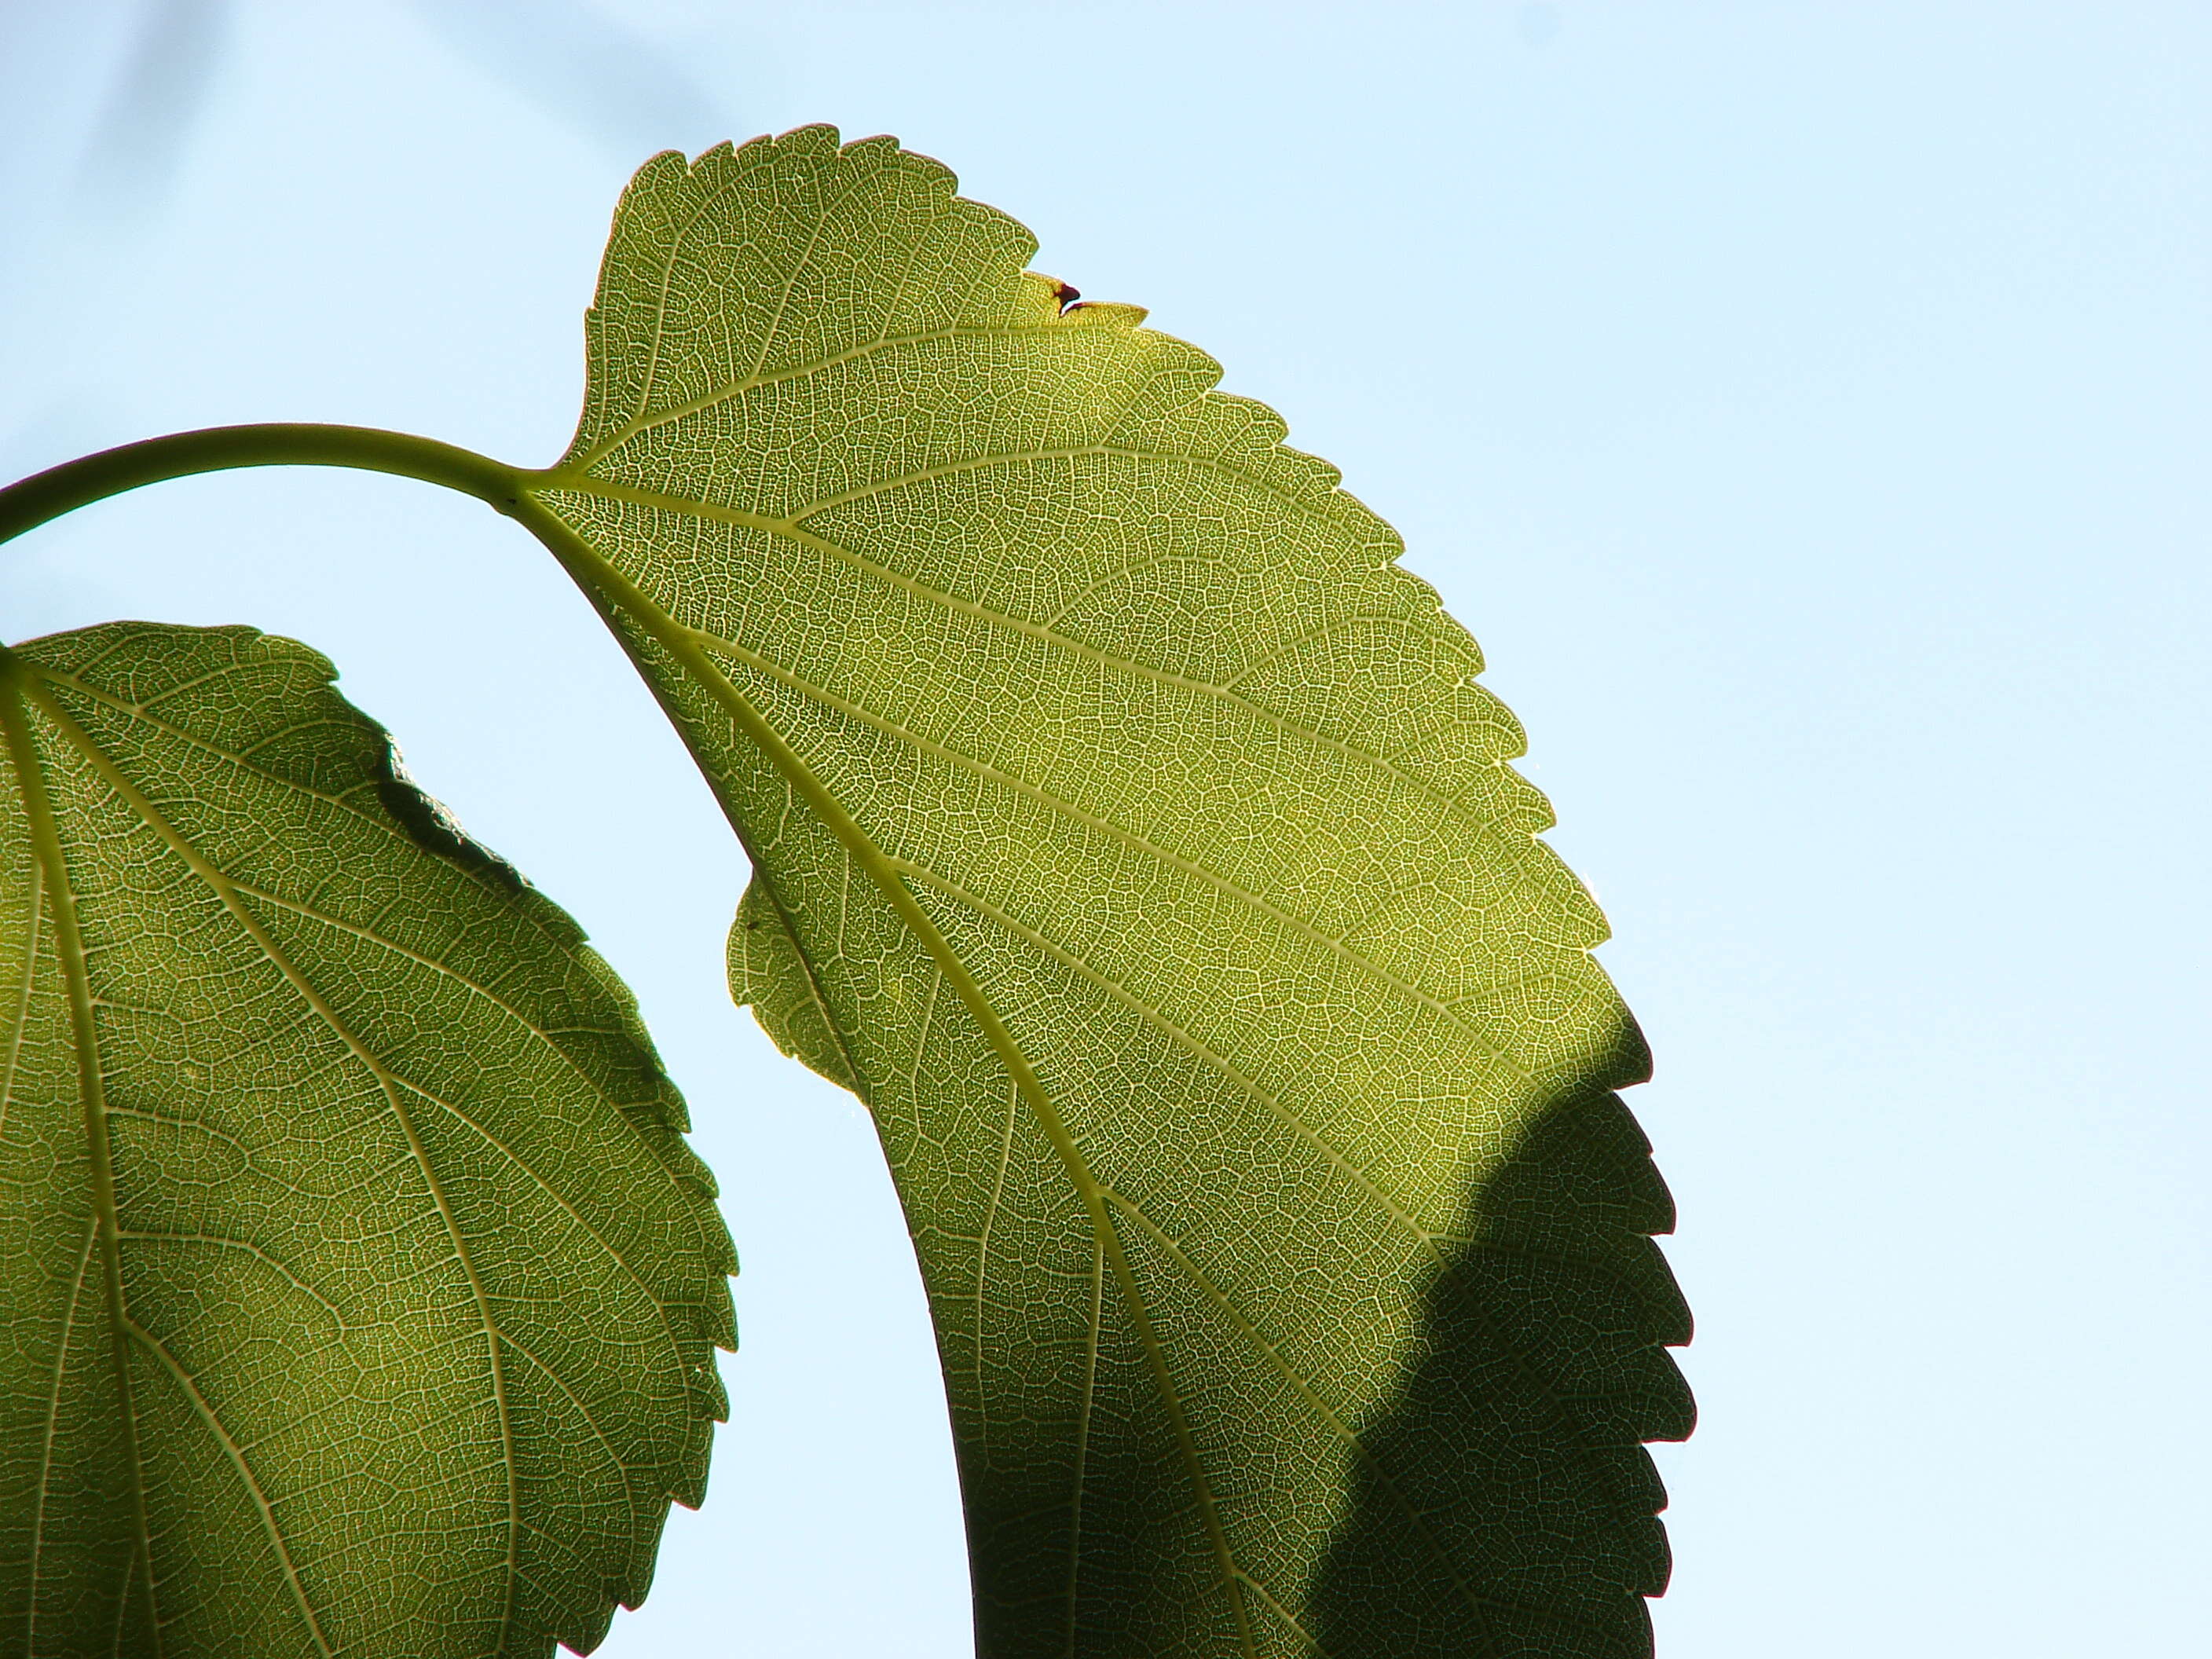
pixel 1806 404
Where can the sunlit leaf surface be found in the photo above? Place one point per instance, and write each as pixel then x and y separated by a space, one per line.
pixel 362 1293
pixel 1132 834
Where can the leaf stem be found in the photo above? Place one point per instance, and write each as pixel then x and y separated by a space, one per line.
pixel 45 495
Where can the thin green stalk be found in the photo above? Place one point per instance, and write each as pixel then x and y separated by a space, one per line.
pixel 45 495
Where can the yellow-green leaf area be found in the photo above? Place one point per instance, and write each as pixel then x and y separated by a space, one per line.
pixel 363 1294
pixel 1133 836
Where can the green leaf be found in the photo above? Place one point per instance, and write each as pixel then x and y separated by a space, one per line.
pixel 362 1291
pixel 1132 834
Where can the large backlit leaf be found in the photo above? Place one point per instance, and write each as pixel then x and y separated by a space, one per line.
pixel 362 1290
pixel 1132 834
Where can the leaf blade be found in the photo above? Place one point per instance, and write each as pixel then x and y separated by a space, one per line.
pixel 381 1120
pixel 1034 670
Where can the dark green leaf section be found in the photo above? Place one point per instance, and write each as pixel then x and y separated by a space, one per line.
pixel 1133 836
pixel 362 1291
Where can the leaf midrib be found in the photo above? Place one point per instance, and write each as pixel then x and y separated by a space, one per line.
pixel 610 589
pixel 69 949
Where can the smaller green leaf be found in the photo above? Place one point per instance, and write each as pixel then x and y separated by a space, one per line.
pixel 361 1291
pixel 769 974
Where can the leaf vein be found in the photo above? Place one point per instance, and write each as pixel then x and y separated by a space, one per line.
pixel 52 1428
pixel 1272 718
pixel 235 1456
pixel 1130 838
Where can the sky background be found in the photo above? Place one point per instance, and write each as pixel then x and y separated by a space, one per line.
pixel 1806 405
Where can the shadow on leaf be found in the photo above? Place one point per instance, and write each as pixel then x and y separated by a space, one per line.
pixel 1506 1506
